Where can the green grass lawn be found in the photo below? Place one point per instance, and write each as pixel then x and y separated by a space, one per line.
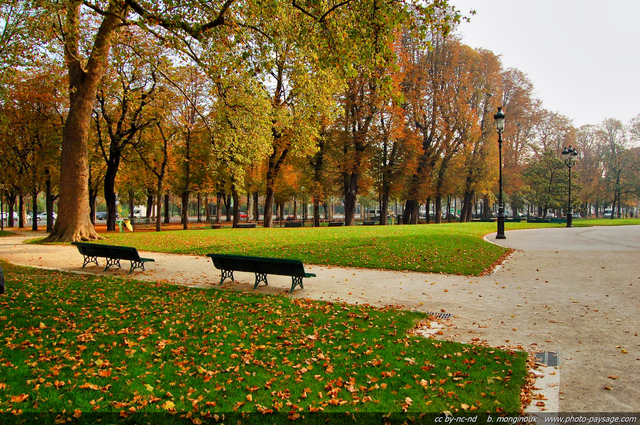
pixel 456 248
pixel 74 344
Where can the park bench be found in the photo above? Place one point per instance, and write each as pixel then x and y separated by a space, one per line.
pixel 246 225
pixel 143 223
pixel 293 224
pixel 112 253
pixel 538 220
pixel 336 223
pixel 261 266
pixel 369 222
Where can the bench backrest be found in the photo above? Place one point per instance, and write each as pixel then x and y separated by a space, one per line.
pixel 111 251
pixel 277 266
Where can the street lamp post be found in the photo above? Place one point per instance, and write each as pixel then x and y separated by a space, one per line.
pixel 569 154
pixel 499 118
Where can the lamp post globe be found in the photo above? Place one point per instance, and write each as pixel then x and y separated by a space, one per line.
pixel 499 118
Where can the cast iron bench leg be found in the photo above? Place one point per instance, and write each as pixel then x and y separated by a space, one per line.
pixel 112 262
pixel 296 281
pixel 260 277
pixel 136 265
pixel 226 274
pixel 89 259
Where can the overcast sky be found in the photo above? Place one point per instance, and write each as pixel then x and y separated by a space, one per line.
pixel 582 56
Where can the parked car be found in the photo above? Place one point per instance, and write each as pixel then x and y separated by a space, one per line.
pixel 101 215
pixel 43 216
pixel 242 215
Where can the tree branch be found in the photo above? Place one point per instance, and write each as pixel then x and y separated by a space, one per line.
pixel 194 31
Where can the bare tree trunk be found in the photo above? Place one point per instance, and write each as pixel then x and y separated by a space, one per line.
pixel 236 206
pixel 438 209
pixel 218 204
pixel 166 208
pixel 49 201
pixel 74 222
pixel 256 206
pixel 34 209
pixel 149 205
pixel 248 206
pixel 350 193
pixel 21 213
pixel 159 210
pixel 185 210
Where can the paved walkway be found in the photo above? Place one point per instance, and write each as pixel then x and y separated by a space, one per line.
pixel 575 291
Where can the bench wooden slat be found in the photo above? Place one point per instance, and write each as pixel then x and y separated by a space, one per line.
pixel 261 266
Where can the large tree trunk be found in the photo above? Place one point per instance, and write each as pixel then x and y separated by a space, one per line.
pixel 167 218
pixel 11 204
pixel 149 205
pixel 184 213
pixel 256 206
pixel 384 209
pixel 110 189
pixel 236 206
pixel 274 166
pixel 316 212
pixel 268 207
pixel 34 209
pixel 159 210
pixel 438 209
pixel 49 204
pixel 411 211
pixel 22 213
pixel 74 222
pixel 467 207
pixel 350 197
pixel 199 206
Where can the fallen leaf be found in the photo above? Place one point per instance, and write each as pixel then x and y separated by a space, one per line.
pixel 19 398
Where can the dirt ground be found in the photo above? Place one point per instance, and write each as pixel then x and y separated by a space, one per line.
pixel 573 291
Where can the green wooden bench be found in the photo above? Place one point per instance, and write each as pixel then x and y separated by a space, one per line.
pixel 246 225
pixel 112 253
pixel 538 220
pixel 336 223
pixel 261 266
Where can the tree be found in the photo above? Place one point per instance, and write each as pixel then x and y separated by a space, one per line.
pixel 31 138
pixel 617 158
pixel 480 172
pixel 120 114
pixel 85 75
pixel 591 166
pixel 547 182
pixel 154 149
pixel 198 31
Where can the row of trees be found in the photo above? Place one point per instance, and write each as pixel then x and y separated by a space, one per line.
pixel 342 99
